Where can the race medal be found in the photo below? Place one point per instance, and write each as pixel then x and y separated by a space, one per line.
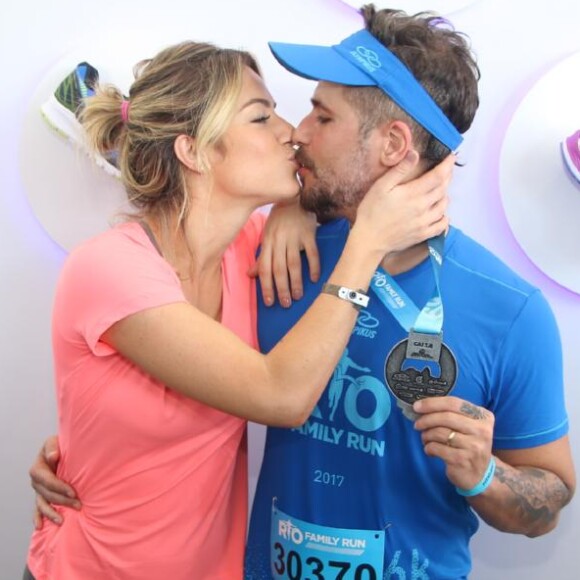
pixel 299 549
pixel 420 366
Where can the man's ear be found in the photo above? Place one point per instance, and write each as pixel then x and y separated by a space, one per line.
pixel 186 151
pixel 397 141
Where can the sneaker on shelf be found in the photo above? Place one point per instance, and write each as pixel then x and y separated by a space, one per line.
pixel 61 110
pixel 571 154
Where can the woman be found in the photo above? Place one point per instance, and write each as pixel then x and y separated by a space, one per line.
pixel 154 323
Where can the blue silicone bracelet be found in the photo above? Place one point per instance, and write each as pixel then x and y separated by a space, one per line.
pixel 483 484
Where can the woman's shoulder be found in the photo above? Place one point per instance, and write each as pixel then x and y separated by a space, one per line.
pixel 122 237
pixel 122 248
pixel 122 263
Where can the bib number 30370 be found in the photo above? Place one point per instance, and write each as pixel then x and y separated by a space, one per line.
pixel 303 551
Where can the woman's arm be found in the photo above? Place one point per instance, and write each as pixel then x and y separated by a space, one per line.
pixel 196 356
pixel 431 188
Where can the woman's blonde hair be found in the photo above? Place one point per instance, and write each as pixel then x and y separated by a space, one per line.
pixel 187 89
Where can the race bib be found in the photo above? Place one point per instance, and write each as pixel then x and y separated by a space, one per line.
pixel 303 551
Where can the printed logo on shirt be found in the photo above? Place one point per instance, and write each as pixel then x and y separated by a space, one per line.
pixel 363 401
pixel 416 571
pixel 366 325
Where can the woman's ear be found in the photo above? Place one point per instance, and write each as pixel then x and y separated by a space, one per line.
pixel 185 150
pixel 397 141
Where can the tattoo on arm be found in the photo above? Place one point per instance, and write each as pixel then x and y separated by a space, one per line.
pixel 538 495
pixel 473 411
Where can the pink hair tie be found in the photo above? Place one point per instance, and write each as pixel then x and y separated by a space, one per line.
pixel 125 111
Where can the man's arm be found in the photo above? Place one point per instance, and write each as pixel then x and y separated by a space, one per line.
pixel 49 489
pixel 529 489
pixel 530 486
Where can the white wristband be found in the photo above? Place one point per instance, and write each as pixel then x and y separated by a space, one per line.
pixel 356 297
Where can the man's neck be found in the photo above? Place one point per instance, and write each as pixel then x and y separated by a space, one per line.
pixel 398 262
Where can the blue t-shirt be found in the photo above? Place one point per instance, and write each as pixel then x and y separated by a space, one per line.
pixel 358 463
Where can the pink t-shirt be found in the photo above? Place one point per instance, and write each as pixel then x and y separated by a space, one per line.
pixel 162 478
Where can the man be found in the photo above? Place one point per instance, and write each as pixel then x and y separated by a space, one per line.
pixel 381 482
pixel 371 486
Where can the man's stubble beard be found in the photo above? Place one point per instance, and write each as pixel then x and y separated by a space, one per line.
pixel 336 194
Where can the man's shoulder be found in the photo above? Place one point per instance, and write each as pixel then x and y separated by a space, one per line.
pixel 471 261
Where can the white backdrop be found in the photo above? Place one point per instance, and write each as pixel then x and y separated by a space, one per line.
pixel 518 46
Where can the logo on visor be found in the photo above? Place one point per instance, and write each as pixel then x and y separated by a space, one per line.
pixel 368 58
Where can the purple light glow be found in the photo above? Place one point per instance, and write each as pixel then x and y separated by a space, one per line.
pixel 502 227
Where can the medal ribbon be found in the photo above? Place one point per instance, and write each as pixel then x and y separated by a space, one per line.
pixel 430 319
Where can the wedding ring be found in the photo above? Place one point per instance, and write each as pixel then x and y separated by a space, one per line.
pixel 450 437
